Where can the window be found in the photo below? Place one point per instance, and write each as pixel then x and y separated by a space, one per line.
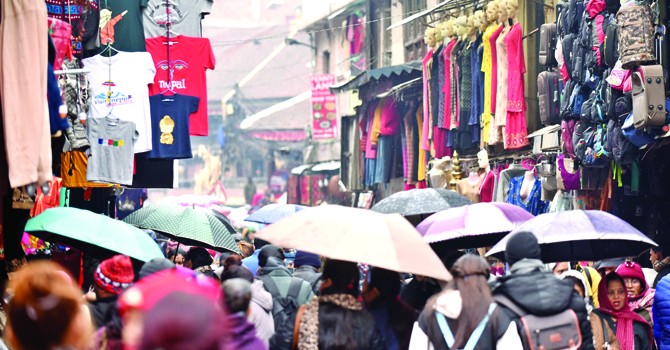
pixel 386 43
pixel 413 31
pixel 381 48
pixel 326 62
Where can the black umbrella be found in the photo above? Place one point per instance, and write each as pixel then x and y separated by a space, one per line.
pixel 419 203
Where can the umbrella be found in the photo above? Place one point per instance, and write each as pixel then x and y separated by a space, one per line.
pixel 581 235
pixel 224 220
pixel 472 226
pixel 358 235
pixel 420 202
pixel 272 213
pixel 186 225
pixel 93 233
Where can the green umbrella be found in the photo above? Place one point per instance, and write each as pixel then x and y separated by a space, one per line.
pixel 186 225
pixel 92 233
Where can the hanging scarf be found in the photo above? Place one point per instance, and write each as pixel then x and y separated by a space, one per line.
pixel 624 316
pixel 309 322
pixel 660 264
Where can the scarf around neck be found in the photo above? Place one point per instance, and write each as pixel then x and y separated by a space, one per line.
pixel 660 264
pixel 308 336
pixel 624 317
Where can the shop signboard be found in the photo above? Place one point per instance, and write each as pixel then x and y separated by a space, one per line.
pixel 324 107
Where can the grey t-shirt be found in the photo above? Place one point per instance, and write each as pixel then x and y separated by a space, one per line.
pixel 112 155
pixel 185 16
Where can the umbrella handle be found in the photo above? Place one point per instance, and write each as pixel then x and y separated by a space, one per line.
pixel 176 250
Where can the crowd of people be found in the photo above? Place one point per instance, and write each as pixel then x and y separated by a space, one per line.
pixel 258 301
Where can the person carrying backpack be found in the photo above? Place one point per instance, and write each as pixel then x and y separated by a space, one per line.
pixel 463 315
pixel 548 312
pixel 288 292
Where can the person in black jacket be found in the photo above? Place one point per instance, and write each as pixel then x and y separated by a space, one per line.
pixel 536 290
pixel 661 263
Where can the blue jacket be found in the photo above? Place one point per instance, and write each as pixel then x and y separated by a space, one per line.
pixel 661 312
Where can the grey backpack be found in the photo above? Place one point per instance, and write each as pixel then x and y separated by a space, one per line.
pixel 555 332
pixel 648 97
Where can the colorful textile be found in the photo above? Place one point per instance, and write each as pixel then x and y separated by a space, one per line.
pixel 115 274
pixel 516 131
pixel 494 66
pixel 425 145
pixel 446 88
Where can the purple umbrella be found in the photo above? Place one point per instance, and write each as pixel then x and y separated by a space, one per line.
pixel 581 235
pixel 472 226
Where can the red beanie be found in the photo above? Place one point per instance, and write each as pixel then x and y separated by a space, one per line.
pixel 115 274
pixel 630 269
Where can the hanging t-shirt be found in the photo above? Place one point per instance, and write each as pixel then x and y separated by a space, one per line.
pixel 130 74
pixel 169 122
pixel 190 58
pixel 131 200
pixel 121 25
pixel 184 16
pixel 111 158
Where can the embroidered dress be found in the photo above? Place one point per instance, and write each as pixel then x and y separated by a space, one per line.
pixel 446 88
pixel 455 108
pixel 516 131
pixel 463 138
pixel 533 204
pixel 476 103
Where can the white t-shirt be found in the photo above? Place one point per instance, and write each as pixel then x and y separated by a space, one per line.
pixel 131 73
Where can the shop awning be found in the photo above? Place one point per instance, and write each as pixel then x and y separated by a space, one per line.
pixel 327 166
pixel 301 169
pixel 376 74
pixel 418 15
pixel 402 86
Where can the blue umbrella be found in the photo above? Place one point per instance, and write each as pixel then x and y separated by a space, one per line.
pixel 580 235
pixel 272 213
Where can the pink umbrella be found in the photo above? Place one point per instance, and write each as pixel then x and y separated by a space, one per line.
pixel 472 226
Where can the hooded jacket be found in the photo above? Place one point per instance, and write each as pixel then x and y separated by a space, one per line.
pixel 661 314
pixel 277 271
pixel 310 274
pixel 243 335
pixel 542 294
pixel 261 312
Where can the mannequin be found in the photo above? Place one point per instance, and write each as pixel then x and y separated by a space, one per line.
pixel 472 28
pixel 488 57
pixel 501 64
pixel 515 133
pixel 527 185
pixel 469 187
pixel 437 79
pixel 440 174
pixel 463 138
pixel 429 40
pixel 459 32
pixel 480 21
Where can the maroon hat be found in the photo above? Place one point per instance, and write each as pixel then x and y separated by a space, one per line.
pixel 630 269
pixel 115 274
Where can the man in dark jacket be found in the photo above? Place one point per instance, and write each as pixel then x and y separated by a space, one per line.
pixel 661 263
pixel 536 290
pixel 111 277
pixel 307 267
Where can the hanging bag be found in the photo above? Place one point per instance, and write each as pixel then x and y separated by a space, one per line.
pixel 636 35
pixel 649 97
pixel 548 37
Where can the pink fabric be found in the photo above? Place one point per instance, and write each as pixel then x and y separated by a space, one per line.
pixel 599 30
pixel 61 36
pixel 564 73
pixel 595 7
pixel 390 118
pixel 516 131
pixel 446 89
pixel 486 190
pixel 370 149
pixel 494 71
pixel 425 144
pixel 440 141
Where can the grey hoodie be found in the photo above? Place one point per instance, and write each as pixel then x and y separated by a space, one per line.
pixel 261 312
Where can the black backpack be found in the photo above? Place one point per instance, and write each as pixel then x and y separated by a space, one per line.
pixel 567 43
pixel 553 332
pixel 562 26
pixel 575 14
pixel 284 308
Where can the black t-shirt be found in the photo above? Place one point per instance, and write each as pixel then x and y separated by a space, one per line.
pixel 128 29
pixel 153 173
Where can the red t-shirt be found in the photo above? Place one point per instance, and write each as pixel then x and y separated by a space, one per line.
pixel 190 58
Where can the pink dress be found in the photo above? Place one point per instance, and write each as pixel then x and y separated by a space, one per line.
pixel 494 65
pixel 515 124
pixel 446 89
pixel 425 143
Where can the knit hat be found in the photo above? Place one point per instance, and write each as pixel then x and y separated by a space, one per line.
pixel 305 258
pixel 522 245
pixel 154 265
pixel 630 269
pixel 115 274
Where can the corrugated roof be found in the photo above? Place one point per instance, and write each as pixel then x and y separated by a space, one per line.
pixel 376 74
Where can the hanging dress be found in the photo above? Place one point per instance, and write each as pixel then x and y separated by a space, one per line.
pixel 487 69
pixel 426 100
pixel 463 138
pixel 446 88
pixel 533 203
pixel 516 131
pixel 501 94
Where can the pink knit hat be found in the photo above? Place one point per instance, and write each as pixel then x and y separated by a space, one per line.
pixel 630 269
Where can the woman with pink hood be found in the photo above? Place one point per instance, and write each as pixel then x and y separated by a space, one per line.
pixel 640 294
